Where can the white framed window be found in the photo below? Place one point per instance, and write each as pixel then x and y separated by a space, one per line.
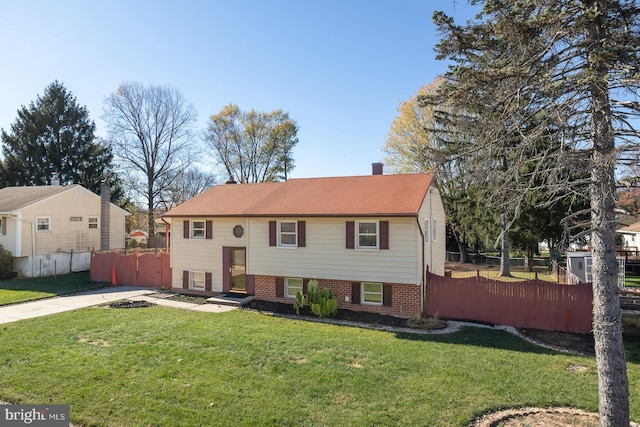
pixel 92 222
pixel 372 293
pixel 198 229
pixel 292 286
pixel 433 230
pixel 3 227
pixel 196 280
pixel 367 234
pixel 426 231
pixel 43 223
pixel 288 234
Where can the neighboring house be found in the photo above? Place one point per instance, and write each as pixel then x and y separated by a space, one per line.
pixel 630 236
pixel 137 238
pixel 368 238
pixel 52 229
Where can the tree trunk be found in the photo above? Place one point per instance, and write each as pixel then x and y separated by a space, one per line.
pixel 613 384
pixel 505 266
pixel 462 247
pixel 529 253
pixel 151 219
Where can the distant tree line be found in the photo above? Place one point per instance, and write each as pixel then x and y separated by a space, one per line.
pixel 152 154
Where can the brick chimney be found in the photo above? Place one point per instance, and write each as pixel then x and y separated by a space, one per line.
pixel 376 168
pixel 105 208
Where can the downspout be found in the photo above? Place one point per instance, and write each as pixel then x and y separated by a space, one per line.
pixel 33 241
pixel 423 273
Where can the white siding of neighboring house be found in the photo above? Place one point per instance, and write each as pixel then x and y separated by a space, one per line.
pixel 630 239
pixel 325 255
pixel 9 240
pixel 434 251
pixel 66 235
pixel 202 254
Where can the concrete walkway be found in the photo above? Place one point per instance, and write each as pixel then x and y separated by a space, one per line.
pixel 45 307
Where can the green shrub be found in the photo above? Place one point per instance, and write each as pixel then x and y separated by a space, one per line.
pixel 323 303
pixel 6 264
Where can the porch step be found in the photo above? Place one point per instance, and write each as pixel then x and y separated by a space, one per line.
pixel 236 300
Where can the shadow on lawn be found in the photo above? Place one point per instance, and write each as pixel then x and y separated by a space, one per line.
pixel 481 337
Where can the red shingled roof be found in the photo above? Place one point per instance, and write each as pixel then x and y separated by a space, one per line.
pixel 373 195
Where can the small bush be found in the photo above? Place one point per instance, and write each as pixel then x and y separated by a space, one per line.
pixel 6 264
pixel 428 323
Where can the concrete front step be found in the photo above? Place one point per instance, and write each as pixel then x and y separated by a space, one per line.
pixel 235 300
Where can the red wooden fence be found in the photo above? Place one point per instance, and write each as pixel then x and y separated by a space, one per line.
pixel 148 270
pixel 533 304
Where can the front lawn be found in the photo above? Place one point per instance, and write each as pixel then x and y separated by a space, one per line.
pixel 21 290
pixel 167 367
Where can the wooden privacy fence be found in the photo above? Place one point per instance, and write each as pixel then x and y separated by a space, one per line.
pixel 149 270
pixel 533 304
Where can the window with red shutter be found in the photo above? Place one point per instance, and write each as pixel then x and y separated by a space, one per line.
pixel 350 235
pixel 209 230
pixel 273 233
pixel 302 234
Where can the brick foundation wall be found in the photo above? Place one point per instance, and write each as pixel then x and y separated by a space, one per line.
pixel 405 298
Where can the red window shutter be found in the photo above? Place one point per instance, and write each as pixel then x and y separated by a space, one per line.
pixel 351 237
pixel 185 229
pixel 273 235
pixel 355 293
pixel 387 300
pixel 384 234
pixel 302 234
pixel 185 279
pixel 279 287
pixel 209 230
pixel 305 286
pixel 207 281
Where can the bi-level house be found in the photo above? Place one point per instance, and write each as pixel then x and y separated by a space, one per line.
pixel 368 238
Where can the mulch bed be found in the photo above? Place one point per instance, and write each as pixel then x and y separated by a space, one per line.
pixel 343 314
pixel 581 343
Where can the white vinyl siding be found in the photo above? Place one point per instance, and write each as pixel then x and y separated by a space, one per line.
pixel 432 217
pixel 205 255
pixel 64 234
pixel 325 255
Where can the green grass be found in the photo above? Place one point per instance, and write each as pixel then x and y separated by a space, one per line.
pixel 21 290
pixel 168 367
pixel 632 280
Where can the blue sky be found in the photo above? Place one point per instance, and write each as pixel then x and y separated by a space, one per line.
pixel 339 68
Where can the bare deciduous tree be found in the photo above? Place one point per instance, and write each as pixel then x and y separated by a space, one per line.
pixel 150 133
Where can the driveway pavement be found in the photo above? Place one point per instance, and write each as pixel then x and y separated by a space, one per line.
pixel 44 307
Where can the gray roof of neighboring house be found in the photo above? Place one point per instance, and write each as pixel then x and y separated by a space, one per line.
pixel 15 198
